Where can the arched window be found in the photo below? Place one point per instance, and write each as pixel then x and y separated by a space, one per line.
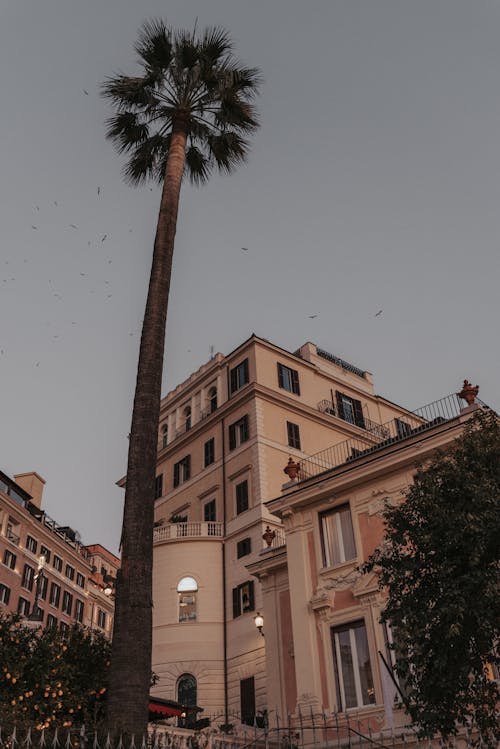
pixel 212 398
pixel 187 418
pixel 187 696
pixel 186 593
pixel 164 435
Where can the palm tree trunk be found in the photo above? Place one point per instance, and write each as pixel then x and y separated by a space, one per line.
pixel 130 673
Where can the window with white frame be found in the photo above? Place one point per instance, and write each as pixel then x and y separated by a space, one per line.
pixel 337 536
pixel 187 590
pixel 4 594
pixel 353 671
pixel 212 399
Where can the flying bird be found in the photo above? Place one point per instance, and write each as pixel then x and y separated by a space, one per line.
pixel 83 274
pixel 55 203
pixel 85 92
pixel 245 249
pixel 73 226
pixel 34 227
pixel 377 314
pixel 311 317
pixel 98 190
pixel 104 237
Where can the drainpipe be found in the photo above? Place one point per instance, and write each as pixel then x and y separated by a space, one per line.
pixel 224 594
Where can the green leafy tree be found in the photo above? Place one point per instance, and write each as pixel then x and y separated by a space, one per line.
pixel 189 112
pixel 440 566
pixel 51 678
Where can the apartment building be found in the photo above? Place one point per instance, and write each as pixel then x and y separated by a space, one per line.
pixel 46 574
pixel 225 436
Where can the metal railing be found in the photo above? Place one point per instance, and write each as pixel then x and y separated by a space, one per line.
pixel 340 362
pixel 395 430
pixel 278 540
pixel 379 430
pixel 191 529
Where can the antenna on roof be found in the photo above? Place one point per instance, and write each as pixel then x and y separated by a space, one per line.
pixel 212 351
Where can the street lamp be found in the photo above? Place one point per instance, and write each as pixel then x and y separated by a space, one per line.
pixel 36 613
pixel 259 622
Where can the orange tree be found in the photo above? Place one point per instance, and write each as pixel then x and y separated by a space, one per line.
pixel 49 677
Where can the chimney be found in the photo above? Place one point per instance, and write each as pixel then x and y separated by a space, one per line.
pixel 33 484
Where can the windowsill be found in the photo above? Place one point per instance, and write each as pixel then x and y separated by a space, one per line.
pixel 352 563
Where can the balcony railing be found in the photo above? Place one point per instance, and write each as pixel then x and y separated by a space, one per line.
pixel 378 430
pixel 392 431
pixel 278 540
pixel 191 529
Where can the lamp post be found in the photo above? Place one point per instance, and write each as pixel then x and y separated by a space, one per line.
pixel 36 613
pixel 259 622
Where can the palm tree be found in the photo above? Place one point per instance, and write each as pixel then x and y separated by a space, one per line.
pixel 189 112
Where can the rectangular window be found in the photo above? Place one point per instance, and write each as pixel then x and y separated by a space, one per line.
pixel 80 580
pixel 51 620
pixel 67 603
pixel 31 544
pixel 79 610
pixel 247 701
pixel 23 607
pixel 239 376
pixel 241 497
pixel 337 536
pixel 43 584
pixel 349 409
pixel 238 432
pixel 55 594
pixel 243 547
pixel 70 572
pixel 403 429
pixel 182 471
pixel 4 594
pixel 159 486
pixel 9 559
pixel 45 552
pixel 243 599
pixel 210 511
pixel 63 627
pixel 353 671
pixel 28 577
pixel 210 452
pixel 57 563
pixel 37 613
pixel 101 619
pixel 288 379
pixel 293 435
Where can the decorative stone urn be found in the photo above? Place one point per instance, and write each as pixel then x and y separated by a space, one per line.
pixel 269 536
pixel 292 469
pixel 468 392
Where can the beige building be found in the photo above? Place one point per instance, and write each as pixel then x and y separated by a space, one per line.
pixel 46 574
pixel 226 434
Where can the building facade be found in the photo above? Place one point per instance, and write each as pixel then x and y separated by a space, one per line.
pixel 46 574
pixel 225 435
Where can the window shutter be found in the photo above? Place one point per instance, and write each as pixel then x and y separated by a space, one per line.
pixel 246 376
pixel 358 413
pixel 176 474
pixel 232 436
pixel 187 469
pixel 236 603
pixel 244 428
pixel 295 382
pixel 251 597
pixel 280 376
pixel 234 380
pixel 340 405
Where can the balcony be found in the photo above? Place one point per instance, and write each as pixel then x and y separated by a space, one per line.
pixel 189 530
pixel 380 431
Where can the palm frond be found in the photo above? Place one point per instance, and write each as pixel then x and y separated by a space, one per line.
pixel 228 150
pixel 198 166
pixel 143 162
pixel 215 46
pixel 154 45
pixel 126 130
pixel 127 91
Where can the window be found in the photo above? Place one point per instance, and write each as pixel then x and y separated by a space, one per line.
pixel 4 594
pixel 69 572
pixel 28 577
pixel 212 399
pixel 37 613
pixel 352 666
pixel 31 544
pixel 243 547
pixel 80 580
pixel 159 486
pixel 293 435
pixel 43 584
pixel 187 418
pixel 23 607
pixel 247 700
pixel 187 695
pixel 9 559
pixel 12 527
pixel 45 552
pixel 288 379
pixel 164 435
pixel 186 593
pixel 210 511
pixel 403 429
pixel 241 497
pixel 239 376
pixel 79 610
pixel 63 627
pixel 57 563
pixel 238 432
pixel 210 452
pixel 101 618
pixel 51 620
pixel 67 603
pixel 337 536
pixel 182 471
pixel 349 409
pixel 243 599
pixel 55 594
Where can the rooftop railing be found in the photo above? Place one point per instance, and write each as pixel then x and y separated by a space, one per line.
pixel 392 431
pixel 191 529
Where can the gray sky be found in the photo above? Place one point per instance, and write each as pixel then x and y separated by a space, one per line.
pixel 373 184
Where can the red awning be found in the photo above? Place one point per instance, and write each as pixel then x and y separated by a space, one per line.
pixel 155 707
